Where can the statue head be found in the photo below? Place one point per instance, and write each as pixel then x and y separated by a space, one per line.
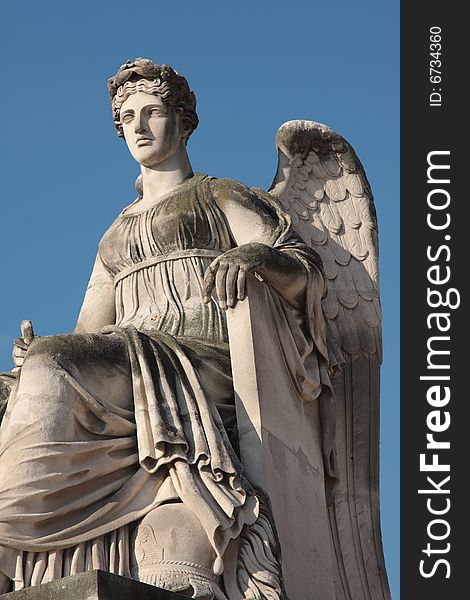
pixel 143 75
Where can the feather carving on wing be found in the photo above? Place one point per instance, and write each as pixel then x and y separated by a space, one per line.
pixel 322 185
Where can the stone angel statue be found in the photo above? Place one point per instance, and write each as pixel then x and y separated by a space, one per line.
pixel 215 410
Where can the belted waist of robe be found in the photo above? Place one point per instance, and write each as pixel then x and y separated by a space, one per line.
pixel 155 260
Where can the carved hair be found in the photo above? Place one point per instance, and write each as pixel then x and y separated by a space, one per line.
pixel 143 75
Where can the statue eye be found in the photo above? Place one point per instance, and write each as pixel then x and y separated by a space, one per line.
pixel 127 118
pixel 155 112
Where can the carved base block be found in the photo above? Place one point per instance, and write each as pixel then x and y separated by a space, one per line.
pixel 95 585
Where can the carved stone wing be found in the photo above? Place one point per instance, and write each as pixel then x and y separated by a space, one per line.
pixel 322 185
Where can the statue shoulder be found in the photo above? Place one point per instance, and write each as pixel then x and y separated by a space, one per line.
pixel 224 186
pixel 229 191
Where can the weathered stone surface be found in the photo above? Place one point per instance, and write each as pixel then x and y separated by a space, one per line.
pixel 279 439
pixel 116 446
pixel 95 585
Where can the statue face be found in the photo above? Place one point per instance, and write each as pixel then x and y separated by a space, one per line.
pixel 152 129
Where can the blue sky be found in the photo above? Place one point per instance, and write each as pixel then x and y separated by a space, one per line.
pixel 253 65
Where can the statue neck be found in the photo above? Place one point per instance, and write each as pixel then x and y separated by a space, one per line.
pixel 158 181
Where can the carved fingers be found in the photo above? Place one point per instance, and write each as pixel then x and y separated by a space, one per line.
pixel 21 345
pixel 229 283
pixel 227 273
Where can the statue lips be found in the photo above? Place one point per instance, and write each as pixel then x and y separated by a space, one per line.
pixel 144 141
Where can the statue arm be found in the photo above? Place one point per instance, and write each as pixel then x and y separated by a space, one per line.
pixel 253 227
pixel 98 308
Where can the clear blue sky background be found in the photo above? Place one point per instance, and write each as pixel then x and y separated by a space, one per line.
pixel 253 65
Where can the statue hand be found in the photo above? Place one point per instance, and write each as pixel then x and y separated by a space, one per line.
pixel 21 345
pixel 227 273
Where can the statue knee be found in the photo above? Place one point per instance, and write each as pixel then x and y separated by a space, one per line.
pixel 48 347
pixel 44 358
pixel 65 349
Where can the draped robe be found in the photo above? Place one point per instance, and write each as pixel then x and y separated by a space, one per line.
pixel 102 428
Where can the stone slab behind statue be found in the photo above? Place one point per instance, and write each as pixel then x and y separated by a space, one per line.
pixel 279 440
pixel 94 585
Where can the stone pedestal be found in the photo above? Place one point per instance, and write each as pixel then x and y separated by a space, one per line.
pixel 94 585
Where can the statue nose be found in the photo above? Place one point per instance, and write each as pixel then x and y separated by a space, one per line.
pixel 139 125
